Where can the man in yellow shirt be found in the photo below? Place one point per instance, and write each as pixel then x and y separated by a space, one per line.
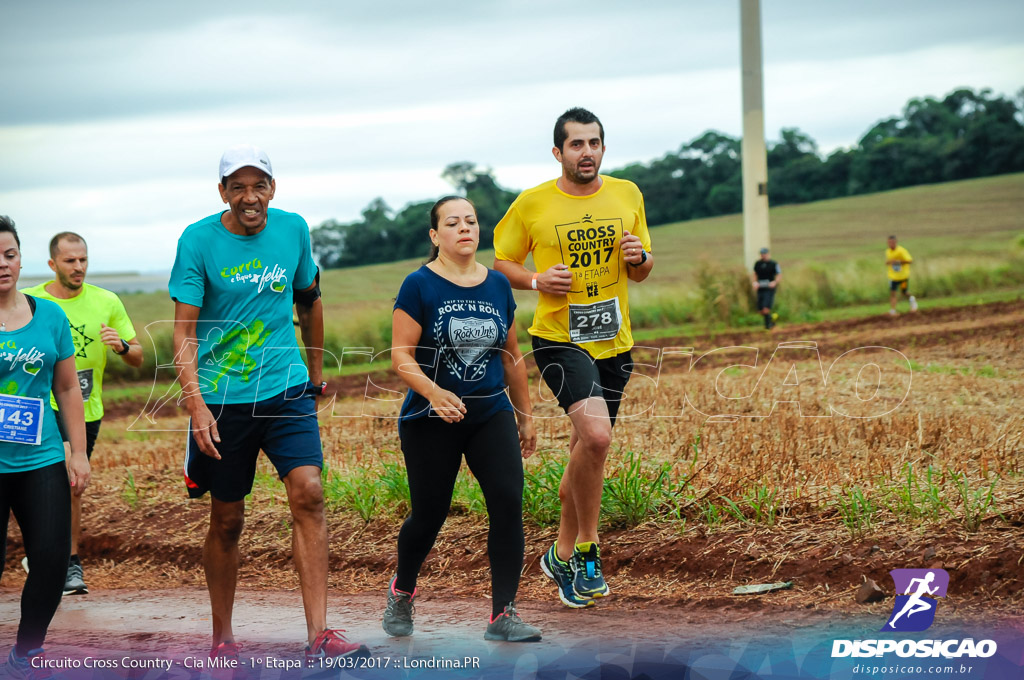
pixel 897 262
pixel 588 235
pixel 98 321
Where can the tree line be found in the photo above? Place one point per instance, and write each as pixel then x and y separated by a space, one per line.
pixel 966 134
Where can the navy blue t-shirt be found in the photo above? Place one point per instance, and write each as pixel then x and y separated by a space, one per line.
pixel 463 330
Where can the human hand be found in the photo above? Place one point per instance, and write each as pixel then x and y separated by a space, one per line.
pixel 556 280
pixel 204 430
pixel 632 248
pixel 78 472
pixel 447 405
pixel 527 436
pixel 110 338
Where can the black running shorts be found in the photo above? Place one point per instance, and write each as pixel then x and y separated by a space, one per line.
pixel 573 375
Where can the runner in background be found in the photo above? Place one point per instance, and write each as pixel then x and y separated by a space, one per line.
pixel 452 318
pixel 98 321
pixel 765 278
pixel 36 482
pixel 235 279
pixel 588 235
pixel 897 264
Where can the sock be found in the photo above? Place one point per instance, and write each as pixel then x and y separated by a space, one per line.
pixel 74 560
pixel 496 611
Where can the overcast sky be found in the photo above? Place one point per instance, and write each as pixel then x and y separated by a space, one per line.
pixel 113 115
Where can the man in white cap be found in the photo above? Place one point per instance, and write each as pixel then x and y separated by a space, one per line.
pixel 236 275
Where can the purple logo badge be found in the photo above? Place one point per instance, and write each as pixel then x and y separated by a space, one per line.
pixel 914 609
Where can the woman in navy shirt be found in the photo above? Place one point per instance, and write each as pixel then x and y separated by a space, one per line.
pixel 454 344
pixel 36 356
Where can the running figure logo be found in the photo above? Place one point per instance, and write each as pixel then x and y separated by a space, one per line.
pixel 914 610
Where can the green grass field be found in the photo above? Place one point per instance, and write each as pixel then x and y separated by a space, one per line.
pixel 966 237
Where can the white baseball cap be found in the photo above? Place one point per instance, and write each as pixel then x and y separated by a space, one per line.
pixel 244 156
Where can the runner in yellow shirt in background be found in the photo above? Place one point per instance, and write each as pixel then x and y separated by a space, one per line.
pixel 588 236
pixel 897 262
pixel 98 320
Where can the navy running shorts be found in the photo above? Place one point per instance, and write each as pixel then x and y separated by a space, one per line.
pixel 573 375
pixel 283 426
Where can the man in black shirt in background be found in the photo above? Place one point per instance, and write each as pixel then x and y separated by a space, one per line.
pixel 766 277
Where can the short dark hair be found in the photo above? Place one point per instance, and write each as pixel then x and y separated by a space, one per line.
pixel 64 236
pixel 575 115
pixel 435 219
pixel 7 225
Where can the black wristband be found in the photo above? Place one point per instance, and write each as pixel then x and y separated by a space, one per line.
pixel 125 346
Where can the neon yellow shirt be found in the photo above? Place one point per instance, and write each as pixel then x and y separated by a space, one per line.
pixel 898 272
pixel 85 312
pixel 582 232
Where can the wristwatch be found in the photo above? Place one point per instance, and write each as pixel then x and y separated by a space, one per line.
pixel 323 388
pixel 125 347
pixel 643 258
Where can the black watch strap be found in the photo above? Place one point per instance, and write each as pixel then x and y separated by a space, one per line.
pixel 125 348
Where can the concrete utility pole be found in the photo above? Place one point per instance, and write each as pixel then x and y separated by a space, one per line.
pixel 755 156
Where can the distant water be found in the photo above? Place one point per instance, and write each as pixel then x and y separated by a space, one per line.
pixel 126 282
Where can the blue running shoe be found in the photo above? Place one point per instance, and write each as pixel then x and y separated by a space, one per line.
pixel 587 580
pixel 22 667
pixel 561 573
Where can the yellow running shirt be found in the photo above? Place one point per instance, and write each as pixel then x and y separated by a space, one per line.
pixel 582 232
pixel 898 272
pixel 85 312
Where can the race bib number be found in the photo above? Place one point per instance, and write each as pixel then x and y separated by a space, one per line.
pixel 594 322
pixel 897 266
pixel 21 419
pixel 85 382
pixel 763 283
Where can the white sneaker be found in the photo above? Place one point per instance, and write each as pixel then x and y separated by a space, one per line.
pixel 913 304
pixel 892 312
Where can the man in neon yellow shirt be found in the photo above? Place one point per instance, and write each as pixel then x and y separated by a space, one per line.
pixel 897 263
pixel 98 320
pixel 588 235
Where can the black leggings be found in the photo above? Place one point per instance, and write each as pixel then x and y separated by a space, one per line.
pixel 433 454
pixel 41 502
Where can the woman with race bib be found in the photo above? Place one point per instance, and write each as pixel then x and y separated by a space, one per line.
pixel 454 344
pixel 36 357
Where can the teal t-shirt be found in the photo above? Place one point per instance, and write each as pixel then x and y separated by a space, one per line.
pixel 27 358
pixel 243 286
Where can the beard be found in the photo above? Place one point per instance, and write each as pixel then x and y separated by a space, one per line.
pixel 68 283
pixel 583 177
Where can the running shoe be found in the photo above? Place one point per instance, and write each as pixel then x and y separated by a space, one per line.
pixel 508 627
pixel 587 580
pixel 24 563
pixel 332 644
pixel 22 668
pixel 892 312
pixel 561 573
pixel 226 650
pixel 74 584
pixel 398 612
pixel 913 304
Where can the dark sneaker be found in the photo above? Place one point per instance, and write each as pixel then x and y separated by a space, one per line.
pixel 508 627
pixel 561 573
pixel 23 668
pixel 331 644
pixel 74 584
pixel 226 650
pixel 398 612
pixel 587 580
